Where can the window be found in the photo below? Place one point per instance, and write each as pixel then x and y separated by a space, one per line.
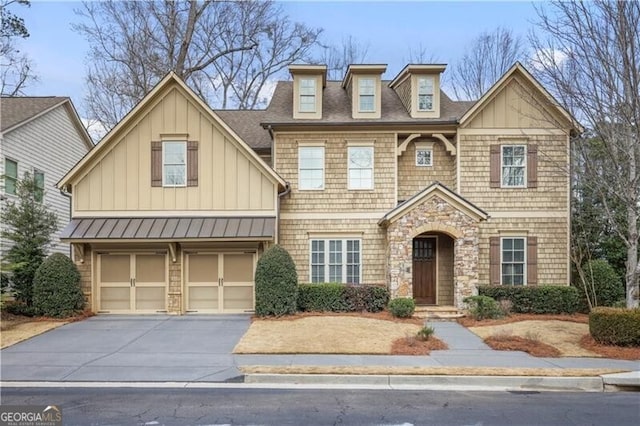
pixel 335 261
pixel 10 176
pixel 366 90
pixel 513 166
pixel 425 94
pixel 311 165
pixel 513 261
pixel 361 167
pixel 174 163
pixel 38 176
pixel 424 157
pixel 307 95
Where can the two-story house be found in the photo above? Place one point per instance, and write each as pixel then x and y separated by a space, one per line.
pixel 362 180
pixel 45 137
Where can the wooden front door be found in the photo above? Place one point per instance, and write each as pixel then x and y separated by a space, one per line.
pixel 424 270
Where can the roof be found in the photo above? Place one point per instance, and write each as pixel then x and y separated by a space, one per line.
pixel 336 107
pixel 169 228
pixel 15 110
pixel 246 123
pixel 436 188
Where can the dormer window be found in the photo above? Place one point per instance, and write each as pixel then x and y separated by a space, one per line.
pixel 367 92
pixel 425 93
pixel 307 95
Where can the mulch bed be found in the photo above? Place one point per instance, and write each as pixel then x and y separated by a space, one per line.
pixel 470 322
pixel 517 343
pixel 412 346
pixel 616 352
pixel 383 315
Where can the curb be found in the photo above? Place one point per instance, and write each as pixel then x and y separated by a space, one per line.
pixel 487 383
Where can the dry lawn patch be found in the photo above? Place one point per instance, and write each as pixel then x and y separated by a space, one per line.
pixel 326 334
pixel 470 322
pixel 16 328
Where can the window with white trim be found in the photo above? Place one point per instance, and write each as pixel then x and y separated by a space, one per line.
pixel 424 157
pixel 367 94
pixel 38 177
pixel 513 261
pixel 360 167
pixel 307 102
pixel 336 260
pixel 311 167
pixel 174 163
pixel 513 166
pixel 10 176
pixel 425 93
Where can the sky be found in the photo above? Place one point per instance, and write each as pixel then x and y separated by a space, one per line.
pixel 390 29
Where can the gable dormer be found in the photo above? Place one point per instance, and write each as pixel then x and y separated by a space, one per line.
pixel 418 86
pixel 363 84
pixel 308 82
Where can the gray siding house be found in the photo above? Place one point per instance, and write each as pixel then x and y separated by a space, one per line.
pixel 45 137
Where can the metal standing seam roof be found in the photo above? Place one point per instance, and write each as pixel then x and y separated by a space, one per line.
pixel 169 228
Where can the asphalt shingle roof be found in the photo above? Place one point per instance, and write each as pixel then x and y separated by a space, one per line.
pixel 246 123
pixel 15 110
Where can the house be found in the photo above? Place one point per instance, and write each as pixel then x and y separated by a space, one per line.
pixel 362 180
pixel 44 137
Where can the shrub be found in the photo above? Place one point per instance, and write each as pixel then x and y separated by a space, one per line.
pixel 20 308
pixel 546 299
pixel 402 307
pixel 425 333
pixel 276 283
pixel 333 297
pixel 483 307
pixel 615 326
pixel 604 285
pixel 56 287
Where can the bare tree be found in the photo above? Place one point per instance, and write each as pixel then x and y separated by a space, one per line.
pixel 337 58
pixel 16 69
pixel 226 51
pixel 420 55
pixel 485 60
pixel 588 53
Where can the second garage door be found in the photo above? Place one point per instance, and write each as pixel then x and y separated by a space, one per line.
pixel 219 282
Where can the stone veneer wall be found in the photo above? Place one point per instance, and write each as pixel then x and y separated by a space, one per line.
pixel 175 297
pixel 433 215
pixel 85 276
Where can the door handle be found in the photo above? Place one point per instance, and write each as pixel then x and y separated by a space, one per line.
pixel 131 282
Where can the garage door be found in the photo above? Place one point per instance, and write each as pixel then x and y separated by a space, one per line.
pixel 132 282
pixel 219 282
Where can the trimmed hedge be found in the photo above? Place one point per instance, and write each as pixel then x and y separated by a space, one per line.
pixel 276 283
pixel 56 287
pixel 615 326
pixel 483 307
pixel 546 299
pixel 402 307
pixel 334 297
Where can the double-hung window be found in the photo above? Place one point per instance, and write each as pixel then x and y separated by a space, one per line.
pixel 311 167
pixel 10 176
pixel 367 91
pixel 425 93
pixel 360 167
pixel 513 262
pixel 514 161
pixel 335 260
pixel 174 163
pixel 307 95
pixel 38 177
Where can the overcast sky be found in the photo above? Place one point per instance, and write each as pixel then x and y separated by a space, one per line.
pixel 389 29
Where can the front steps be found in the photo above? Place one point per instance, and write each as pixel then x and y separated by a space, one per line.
pixel 435 313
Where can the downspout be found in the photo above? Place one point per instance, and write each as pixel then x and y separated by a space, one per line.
pixel 66 194
pixel 287 190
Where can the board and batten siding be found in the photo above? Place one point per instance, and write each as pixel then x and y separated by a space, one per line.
pixel 52 144
pixel 120 181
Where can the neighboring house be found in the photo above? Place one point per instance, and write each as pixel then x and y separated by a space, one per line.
pixel 44 137
pixel 371 182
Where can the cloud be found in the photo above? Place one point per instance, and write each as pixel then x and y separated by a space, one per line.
pixel 95 128
pixel 544 58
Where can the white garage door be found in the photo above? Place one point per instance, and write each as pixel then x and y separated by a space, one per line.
pixel 219 282
pixel 132 282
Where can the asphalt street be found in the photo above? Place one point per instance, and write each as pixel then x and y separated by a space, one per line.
pixel 123 406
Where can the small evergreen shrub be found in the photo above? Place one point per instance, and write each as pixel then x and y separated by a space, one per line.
pixel 56 287
pixel 483 307
pixel 402 307
pixel 615 326
pixel 425 333
pixel 276 283
pixel 608 288
pixel 334 297
pixel 545 299
pixel 20 308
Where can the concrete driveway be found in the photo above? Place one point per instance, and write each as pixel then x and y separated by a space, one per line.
pixel 130 348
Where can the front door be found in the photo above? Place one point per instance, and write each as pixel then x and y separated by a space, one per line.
pixel 424 270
